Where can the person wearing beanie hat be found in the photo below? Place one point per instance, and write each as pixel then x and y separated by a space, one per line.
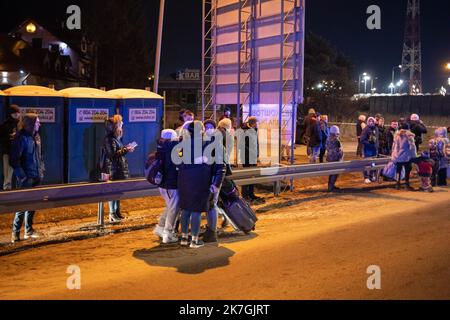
pixel 168 187
pixel 425 167
pixel 370 140
pixel 199 176
pixel 28 164
pixel 440 153
pixel 335 153
pixel 7 131
pixel 417 127
pixel 360 126
pixel 169 134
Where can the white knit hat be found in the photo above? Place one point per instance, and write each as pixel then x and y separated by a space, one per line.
pixel 335 130
pixel 169 134
pixel 415 117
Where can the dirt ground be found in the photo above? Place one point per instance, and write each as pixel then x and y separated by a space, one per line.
pixel 308 245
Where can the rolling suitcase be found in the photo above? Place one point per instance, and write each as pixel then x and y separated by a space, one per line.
pixel 238 211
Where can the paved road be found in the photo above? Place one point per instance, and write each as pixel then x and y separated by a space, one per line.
pixel 308 245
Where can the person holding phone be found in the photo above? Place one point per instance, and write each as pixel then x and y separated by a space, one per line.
pixel 116 161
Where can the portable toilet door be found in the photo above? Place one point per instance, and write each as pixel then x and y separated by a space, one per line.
pixel 143 113
pixel 48 104
pixel 87 110
pixel 2 118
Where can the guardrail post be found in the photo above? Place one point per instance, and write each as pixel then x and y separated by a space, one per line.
pixel 101 215
pixel 277 188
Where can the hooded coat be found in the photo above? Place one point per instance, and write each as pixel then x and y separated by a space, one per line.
pixel 196 178
pixel 370 138
pixel 404 148
pixel 169 169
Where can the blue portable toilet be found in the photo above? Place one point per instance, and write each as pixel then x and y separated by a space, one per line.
pixel 48 104
pixel 87 109
pixel 142 112
pixel 2 118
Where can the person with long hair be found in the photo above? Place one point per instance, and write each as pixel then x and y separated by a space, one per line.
pixel 28 165
pixel 117 164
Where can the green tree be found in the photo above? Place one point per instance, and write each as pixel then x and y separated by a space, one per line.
pixel 120 30
pixel 327 67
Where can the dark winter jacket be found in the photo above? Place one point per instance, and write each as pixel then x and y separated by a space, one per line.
pixel 7 132
pixel 195 180
pixel 169 169
pixel 335 153
pixel 359 128
pixel 425 166
pixel 26 156
pixel 389 138
pixel 117 164
pixel 370 139
pixel 249 152
pixel 419 129
pixel 325 133
pixel 383 140
pixel 228 144
pixel 314 134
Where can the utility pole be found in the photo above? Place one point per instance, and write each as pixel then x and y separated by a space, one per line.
pixel 159 45
pixel 412 48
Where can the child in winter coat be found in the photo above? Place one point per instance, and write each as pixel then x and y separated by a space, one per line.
pixel 425 169
pixel 440 153
pixel 335 153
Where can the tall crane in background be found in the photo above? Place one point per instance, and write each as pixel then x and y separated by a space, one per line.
pixel 412 49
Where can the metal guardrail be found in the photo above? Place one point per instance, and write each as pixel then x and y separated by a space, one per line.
pixel 78 194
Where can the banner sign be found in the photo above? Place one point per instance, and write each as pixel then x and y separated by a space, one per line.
pixel 46 115
pixel 92 115
pixel 142 115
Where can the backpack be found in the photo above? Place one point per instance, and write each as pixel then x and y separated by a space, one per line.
pixel 154 168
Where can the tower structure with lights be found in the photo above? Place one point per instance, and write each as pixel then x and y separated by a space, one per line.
pixel 412 48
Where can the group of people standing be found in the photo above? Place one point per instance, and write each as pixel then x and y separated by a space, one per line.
pixel 402 141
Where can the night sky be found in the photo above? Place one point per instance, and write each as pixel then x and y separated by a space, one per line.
pixel 343 23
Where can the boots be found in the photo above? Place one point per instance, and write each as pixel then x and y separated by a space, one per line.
pixel 210 236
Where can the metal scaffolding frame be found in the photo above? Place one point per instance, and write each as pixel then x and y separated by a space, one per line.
pixel 248 67
pixel 209 57
pixel 289 54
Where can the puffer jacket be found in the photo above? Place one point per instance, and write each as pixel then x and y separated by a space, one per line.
pixel 26 156
pixel 248 144
pixel 335 153
pixel 195 180
pixel 419 129
pixel 169 171
pixel 404 148
pixel 116 162
pixel 440 151
pixel 370 138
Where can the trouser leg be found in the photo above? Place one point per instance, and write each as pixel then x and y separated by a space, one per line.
pixel 29 217
pixel 18 221
pixel 196 219
pixel 213 215
pixel 442 177
pixel 185 220
pixel 173 205
pixel 7 173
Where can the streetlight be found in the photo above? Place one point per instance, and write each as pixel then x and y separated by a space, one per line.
pixel 447 66
pixel 400 84
pixel 393 73
pixel 392 87
pixel 360 81
pixel 366 78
